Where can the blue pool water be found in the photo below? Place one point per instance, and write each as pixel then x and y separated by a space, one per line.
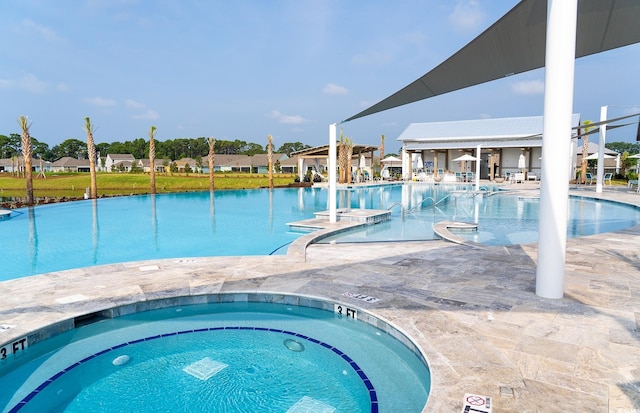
pixel 254 222
pixel 232 357
pixel 502 218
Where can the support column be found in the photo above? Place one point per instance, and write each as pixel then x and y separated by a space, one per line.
pixel 478 160
pixel 301 171
pixel 603 137
pixel 332 172
pixel 558 107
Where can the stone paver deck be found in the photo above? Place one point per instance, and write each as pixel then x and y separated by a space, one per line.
pixel 472 311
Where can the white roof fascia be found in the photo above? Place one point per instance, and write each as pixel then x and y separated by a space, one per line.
pixel 529 143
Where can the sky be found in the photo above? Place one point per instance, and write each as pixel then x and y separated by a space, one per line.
pixel 246 69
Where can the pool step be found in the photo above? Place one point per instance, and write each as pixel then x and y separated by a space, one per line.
pixel 367 216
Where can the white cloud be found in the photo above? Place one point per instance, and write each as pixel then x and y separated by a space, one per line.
pixel 28 82
pixel 528 87
pixel 148 115
pixel 416 38
pixel 45 32
pixel 371 58
pixel 333 89
pixel 130 103
pixel 467 15
pixel 102 102
pixel 287 119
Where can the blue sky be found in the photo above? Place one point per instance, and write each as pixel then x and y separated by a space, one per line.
pixel 244 69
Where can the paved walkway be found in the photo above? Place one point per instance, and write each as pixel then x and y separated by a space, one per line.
pixel 473 311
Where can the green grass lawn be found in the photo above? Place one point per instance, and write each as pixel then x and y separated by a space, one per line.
pixel 73 185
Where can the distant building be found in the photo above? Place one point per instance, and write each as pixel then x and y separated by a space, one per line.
pixel 113 161
pixel 69 164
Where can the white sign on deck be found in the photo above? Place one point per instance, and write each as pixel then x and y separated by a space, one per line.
pixel 476 404
pixel 361 297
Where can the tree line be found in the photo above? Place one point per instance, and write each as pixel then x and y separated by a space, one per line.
pixel 10 146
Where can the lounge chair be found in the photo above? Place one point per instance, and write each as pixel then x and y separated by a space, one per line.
pixel 469 176
pixel 517 178
pixel 588 178
pixel 459 177
pixel 607 177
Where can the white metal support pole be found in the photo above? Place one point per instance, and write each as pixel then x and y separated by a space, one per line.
pixel 603 137
pixel 332 171
pixel 301 171
pixel 478 153
pixel 558 107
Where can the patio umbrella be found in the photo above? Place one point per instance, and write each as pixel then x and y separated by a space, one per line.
pixel 595 156
pixel 464 158
pixel 417 162
pixel 636 156
pixel 521 162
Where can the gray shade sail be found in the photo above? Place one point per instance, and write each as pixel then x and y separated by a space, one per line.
pixel 516 43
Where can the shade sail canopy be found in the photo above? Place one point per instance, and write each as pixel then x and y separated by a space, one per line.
pixel 465 157
pixel 516 44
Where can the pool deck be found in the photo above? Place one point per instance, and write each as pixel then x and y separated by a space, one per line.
pixel 473 311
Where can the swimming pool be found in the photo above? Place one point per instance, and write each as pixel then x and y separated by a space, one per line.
pixel 254 222
pixel 503 217
pixel 223 357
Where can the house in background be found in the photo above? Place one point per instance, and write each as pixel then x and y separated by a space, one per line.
pixel 194 165
pixel 232 163
pixel 260 162
pixel 69 164
pixel 114 162
pixel 160 164
pixel 17 165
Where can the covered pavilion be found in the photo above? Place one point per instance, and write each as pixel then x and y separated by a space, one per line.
pixel 310 158
pixel 502 141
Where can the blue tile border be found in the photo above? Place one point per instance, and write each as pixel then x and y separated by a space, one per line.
pixel 373 397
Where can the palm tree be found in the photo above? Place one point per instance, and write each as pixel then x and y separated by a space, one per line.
pixel 14 161
pixel 26 153
pixel 345 152
pixel 585 150
pixel 381 151
pixel 91 150
pixel 152 158
pixel 270 159
pixel 212 143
